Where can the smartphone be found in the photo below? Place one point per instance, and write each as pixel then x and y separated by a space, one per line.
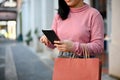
pixel 51 35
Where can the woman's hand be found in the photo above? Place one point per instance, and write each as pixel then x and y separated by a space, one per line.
pixel 64 46
pixel 44 40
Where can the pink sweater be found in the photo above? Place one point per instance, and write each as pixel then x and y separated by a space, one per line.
pixel 83 26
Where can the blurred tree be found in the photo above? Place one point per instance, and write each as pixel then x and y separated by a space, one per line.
pixel 29 37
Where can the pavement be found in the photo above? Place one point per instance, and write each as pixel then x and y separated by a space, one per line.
pixel 20 62
pixel 2 63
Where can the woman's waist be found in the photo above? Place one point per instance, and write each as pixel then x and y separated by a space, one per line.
pixel 72 55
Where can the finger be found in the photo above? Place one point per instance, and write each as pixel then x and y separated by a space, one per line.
pixel 41 40
pixel 56 42
pixel 62 49
pixel 58 45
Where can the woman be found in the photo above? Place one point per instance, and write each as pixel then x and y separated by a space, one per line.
pixel 76 24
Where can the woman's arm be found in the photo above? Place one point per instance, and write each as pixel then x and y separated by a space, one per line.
pixel 96 44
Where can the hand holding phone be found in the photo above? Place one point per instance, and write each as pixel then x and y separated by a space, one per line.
pixel 51 35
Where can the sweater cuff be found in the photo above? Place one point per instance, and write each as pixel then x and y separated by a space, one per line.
pixel 77 48
pixel 51 46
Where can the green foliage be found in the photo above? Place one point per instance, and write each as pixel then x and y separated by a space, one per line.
pixel 29 38
pixel 36 31
pixel 29 34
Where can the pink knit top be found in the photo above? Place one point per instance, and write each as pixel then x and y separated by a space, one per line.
pixel 83 26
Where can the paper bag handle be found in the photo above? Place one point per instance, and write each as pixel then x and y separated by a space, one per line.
pixel 85 50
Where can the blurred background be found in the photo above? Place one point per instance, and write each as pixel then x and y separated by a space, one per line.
pixel 23 57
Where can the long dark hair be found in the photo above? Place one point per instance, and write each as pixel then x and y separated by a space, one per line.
pixel 63 9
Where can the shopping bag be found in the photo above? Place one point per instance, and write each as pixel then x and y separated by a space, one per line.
pixel 77 69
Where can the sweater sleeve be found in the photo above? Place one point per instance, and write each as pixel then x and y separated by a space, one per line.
pixel 96 44
pixel 54 24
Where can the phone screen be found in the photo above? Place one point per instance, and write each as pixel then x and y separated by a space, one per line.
pixel 51 35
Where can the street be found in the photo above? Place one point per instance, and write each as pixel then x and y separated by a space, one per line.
pixel 19 62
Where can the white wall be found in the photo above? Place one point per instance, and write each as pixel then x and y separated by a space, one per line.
pixel 87 1
pixel 25 17
pixel 109 24
pixel 55 6
pixel 47 12
pixel 18 25
pixel 36 14
pixel 114 55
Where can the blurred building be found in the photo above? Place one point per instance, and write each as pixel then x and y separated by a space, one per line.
pixel 114 45
pixel 38 14
pixel 8 16
pixel 29 17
